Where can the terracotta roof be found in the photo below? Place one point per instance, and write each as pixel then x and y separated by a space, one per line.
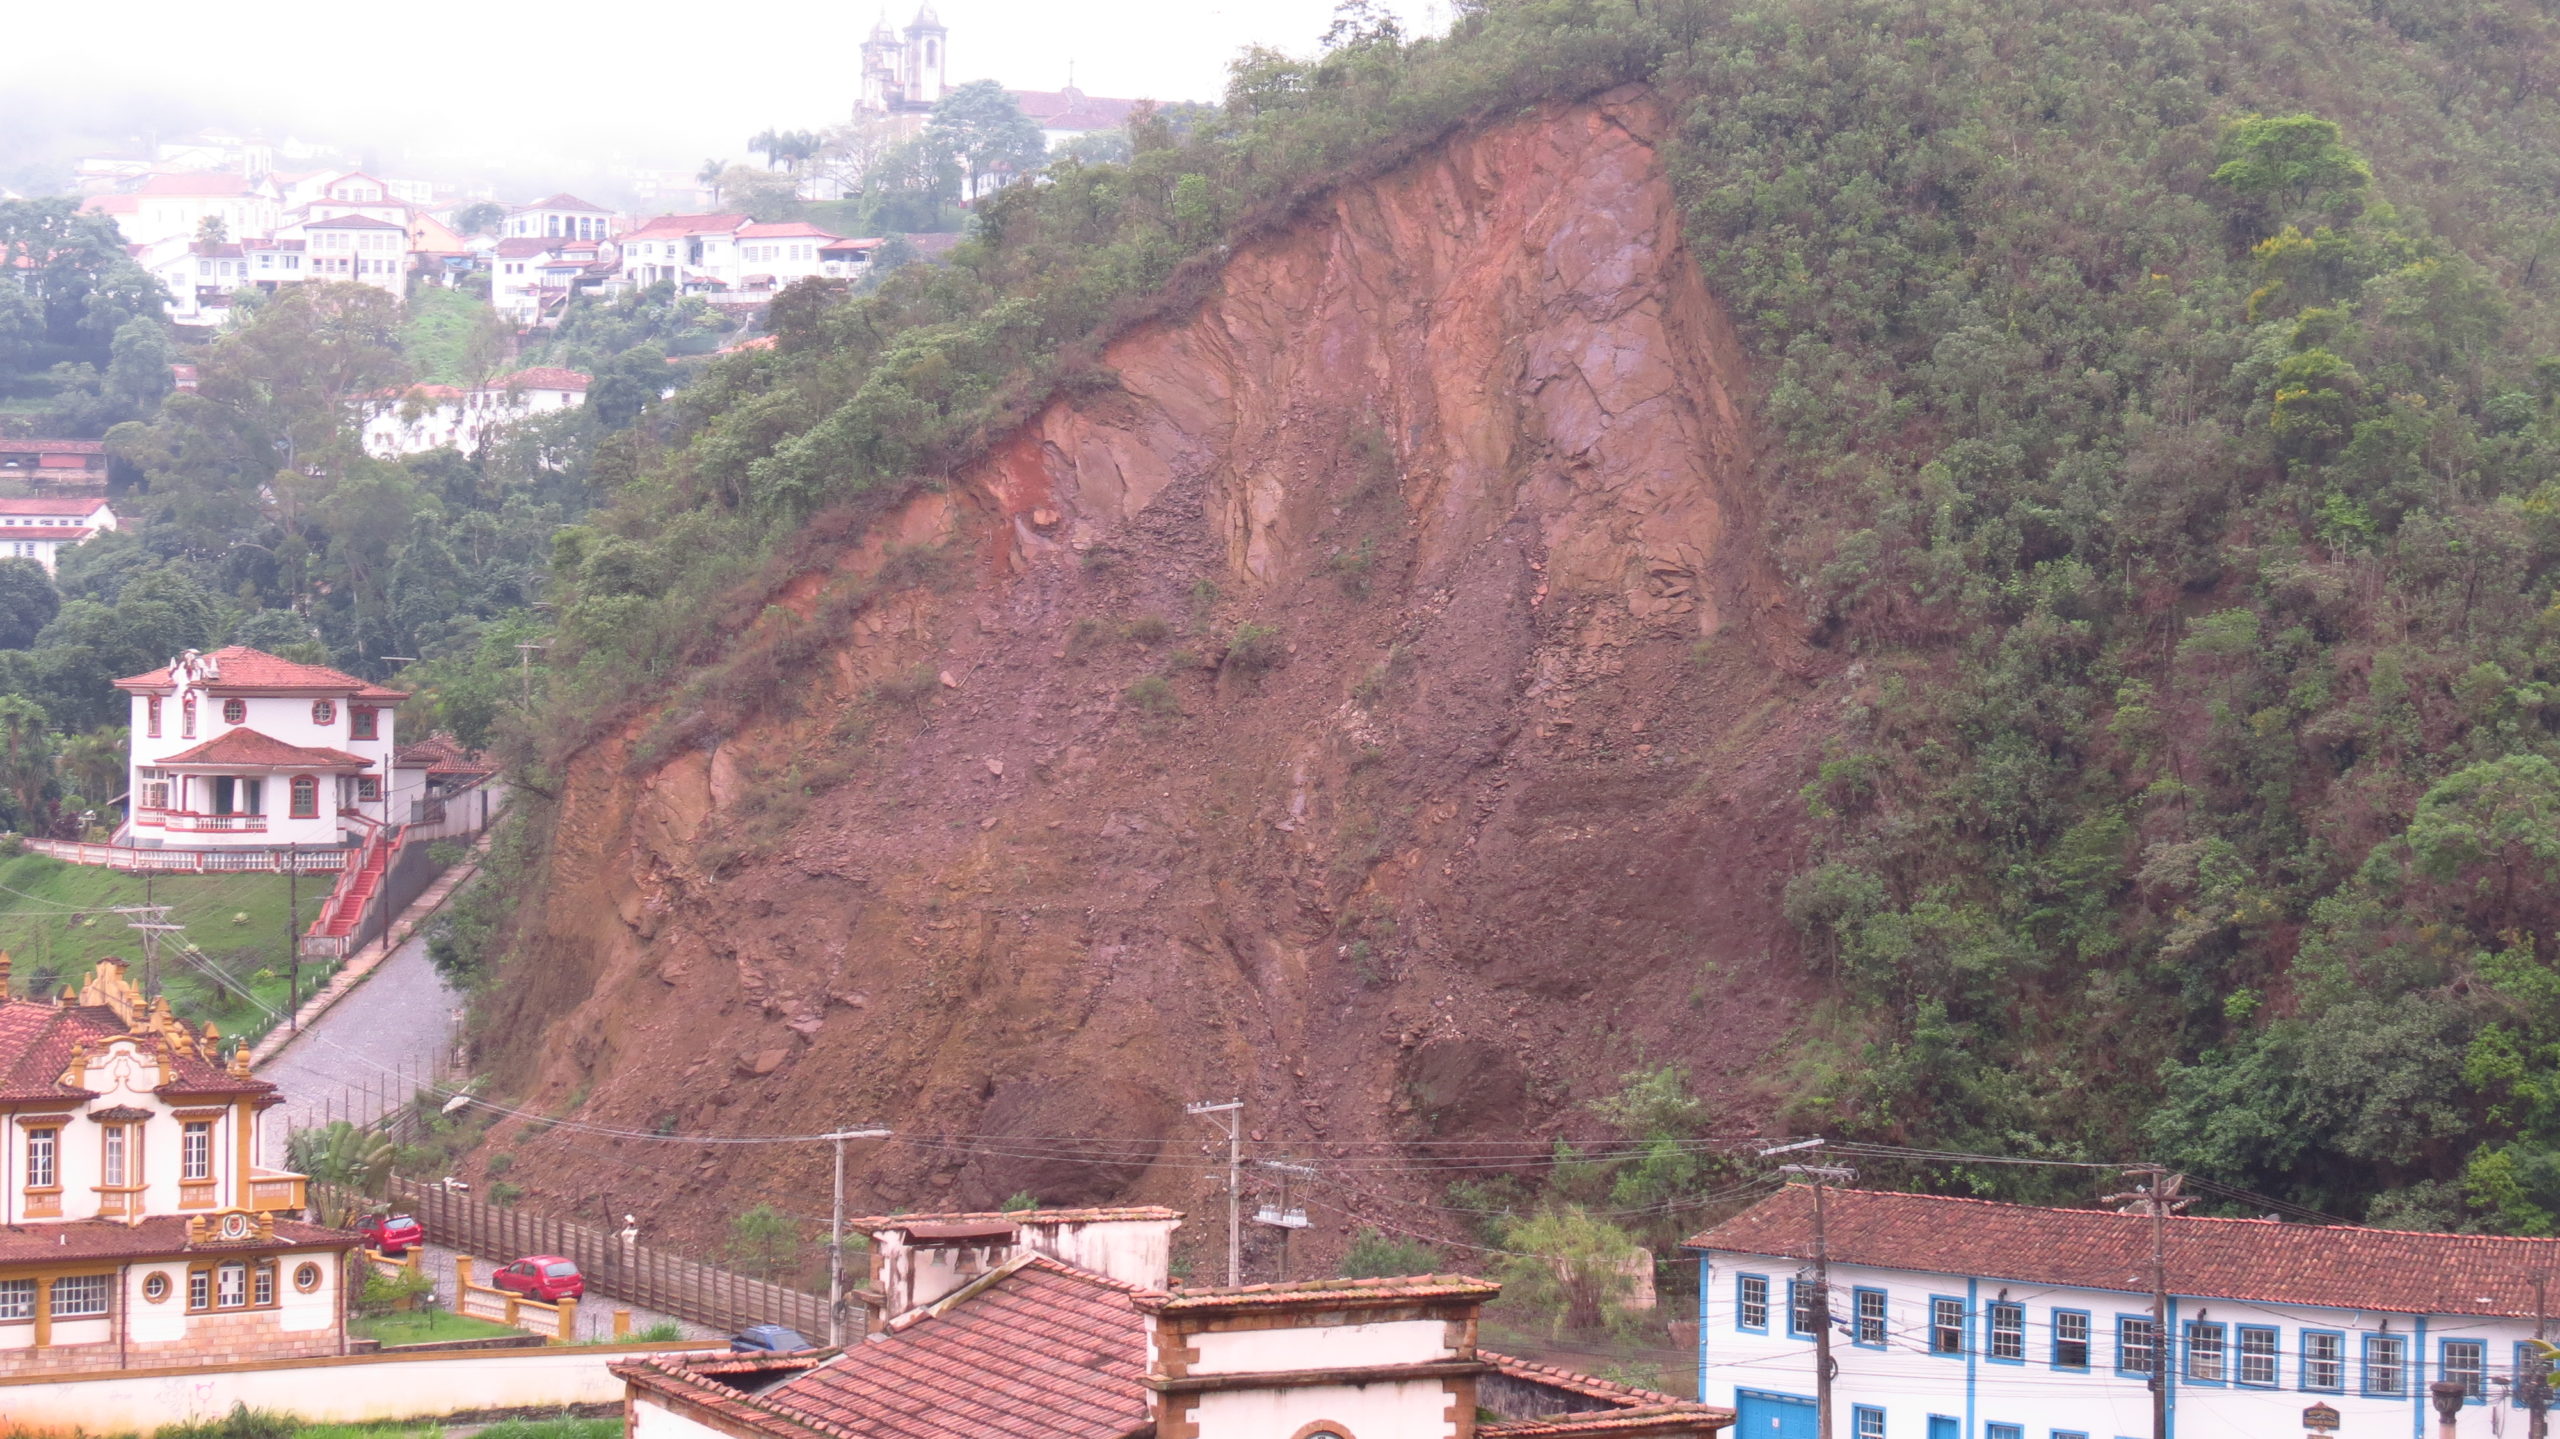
pixel 66 534
pixel 245 671
pixel 1047 1352
pixel 352 222
pixel 2261 1260
pixel 786 229
pixel 870 1222
pixel 1671 1420
pixel 562 201
pixel 247 748
pixel 72 509
pixel 870 244
pixel 1072 109
pixel 51 447
pixel 441 753
pixel 164 1234
pixel 542 377
pixel 1573 1381
pixel 1324 1293
pixel 113 205
pixel 671 226
pixel 37 1041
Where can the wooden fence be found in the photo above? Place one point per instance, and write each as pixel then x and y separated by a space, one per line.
pixel 631 1273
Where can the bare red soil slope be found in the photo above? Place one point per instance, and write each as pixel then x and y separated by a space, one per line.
pixel 1492 802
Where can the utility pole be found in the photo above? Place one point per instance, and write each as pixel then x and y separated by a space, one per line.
pixel 152 924
pixel 835 1237
pixel 1284 1218
pixel 1233 1109
pixel 2159 1199
pixel 1824 1366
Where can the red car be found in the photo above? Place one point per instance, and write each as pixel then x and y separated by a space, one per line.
pixel 546 1277
pixel 392 1234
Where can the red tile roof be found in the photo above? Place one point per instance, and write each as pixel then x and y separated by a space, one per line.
pixel 668 227
pixel 543 377
pixel 562 201
pixel 352 222
pixel 249 749
pixel 1072 109
pixel 113 205
pixel 1322 1293
pixel 245 671
pixel 786 229
pixel 2260 1260
pixel 1674 1420
pixel 201 185
pixel 37 1041
pixel 65 534
pixel 69 509
pixel 872 1222
pixel 52 447
pixel 1046 1351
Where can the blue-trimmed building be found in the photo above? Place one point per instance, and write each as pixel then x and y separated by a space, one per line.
pixel 1965 1319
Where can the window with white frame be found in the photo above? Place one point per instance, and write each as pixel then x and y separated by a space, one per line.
pixel 2464 1361
pixel 2070 1339
pixel 2205 1353
pixel 114 1150
pixel 195 1150
pixel 1871 1325
pixel 2324 1360
pixel 1751 1302
pixel 1800 1316
pixel 1866 1422
pixel 231 1285
pixel 1946 1326
pixel 79 1296
pixel 41 1144
pixel 2257 1356
pixel 2009 1331
pixel 2386 1364
pixel 2137 1345
pixel 17 1299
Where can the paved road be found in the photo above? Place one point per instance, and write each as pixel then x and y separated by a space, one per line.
pixel 595 1312
pixel 390 1034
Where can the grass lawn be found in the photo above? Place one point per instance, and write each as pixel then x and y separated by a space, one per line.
pixel 437 332
pixel 426 1326
pixel 53 924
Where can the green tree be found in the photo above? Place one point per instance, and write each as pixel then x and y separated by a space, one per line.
pixel 1570 1264
pixel 981 127
pixel 764 1241
pixel 28 602
pixel 1373 1255
pixel 2290 163
pixel 482 217
pixel 26 764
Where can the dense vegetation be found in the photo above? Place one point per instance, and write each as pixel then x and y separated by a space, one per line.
pixel 2167 422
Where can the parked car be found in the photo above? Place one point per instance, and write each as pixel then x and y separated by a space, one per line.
pixel 768 1339
pixel 547 1277
pixel 391 1233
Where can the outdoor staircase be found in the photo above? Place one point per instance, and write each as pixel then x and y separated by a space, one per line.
pixel 344 912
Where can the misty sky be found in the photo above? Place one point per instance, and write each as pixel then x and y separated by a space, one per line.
pixel 551 87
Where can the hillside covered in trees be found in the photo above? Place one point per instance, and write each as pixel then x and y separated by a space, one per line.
pixel 2156 434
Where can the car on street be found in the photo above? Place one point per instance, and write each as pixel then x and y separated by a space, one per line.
pixel 547 1277
pixel 768 1339
pixel 391 1234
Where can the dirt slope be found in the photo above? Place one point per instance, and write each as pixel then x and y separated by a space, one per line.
pixel 1498 807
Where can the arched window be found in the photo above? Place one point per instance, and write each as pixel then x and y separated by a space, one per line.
pixel 235 712
pixel 187 717
pixel 306 797
pixel 324 712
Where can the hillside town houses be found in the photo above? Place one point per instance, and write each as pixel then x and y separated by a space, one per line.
pixel 426 417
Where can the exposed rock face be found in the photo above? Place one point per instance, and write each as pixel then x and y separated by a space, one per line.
pixel 1375 706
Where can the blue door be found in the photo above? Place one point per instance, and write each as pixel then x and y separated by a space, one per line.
pixel 1942 1427
pixel 1772 1416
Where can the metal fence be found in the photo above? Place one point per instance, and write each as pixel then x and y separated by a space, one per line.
pixel 632 1273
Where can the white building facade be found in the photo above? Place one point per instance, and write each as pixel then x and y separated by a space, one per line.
pixel 428 417
pixel 244 749
pixel 41 529
pixel 357 248
pixel 1964 1319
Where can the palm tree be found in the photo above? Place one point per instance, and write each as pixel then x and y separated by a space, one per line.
pixel 710 174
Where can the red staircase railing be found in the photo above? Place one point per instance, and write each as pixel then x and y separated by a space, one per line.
pixel 343 913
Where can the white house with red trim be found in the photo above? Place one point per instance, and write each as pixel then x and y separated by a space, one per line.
pixel 691 251
pixel 561 217
pixel 357 248
pixel 1968 1319
pixel 241 748
pixel 773 255
pixel 428 417
pixel 41 529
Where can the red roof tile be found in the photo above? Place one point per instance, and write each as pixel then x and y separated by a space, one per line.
pixel 249 749
pixel 203 185
pixel 786 229
pixel 666 227
pixel 1674 1420
pixel 245 671
pixel 871 1222
pixel 1322 1293
pixel 351 222
pixel 164 1234
pixel 562 201
pixel 73 509
pixel 1072 109
pixel 2261 1260
pixel 37 1041
pixel 543 377
pixel 51 447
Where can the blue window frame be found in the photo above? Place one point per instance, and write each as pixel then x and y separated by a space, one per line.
pixel 1800 1320
pixel 2004 1431
pixel 1868 1307
pixel 1866 1422
pixel 1946 1326
pixel 2004 1332
pixel 2465 1362
pixel 2324 1362
pixel 2137 1345
pixel 1751 1302
pixel 2386 1366
pixel 2207 1350
pixel 2256 1366
pixel 2069 1434
pixel 2528 1359
pixel 2071 1340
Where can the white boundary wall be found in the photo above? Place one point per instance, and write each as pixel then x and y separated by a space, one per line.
pixel 356 1389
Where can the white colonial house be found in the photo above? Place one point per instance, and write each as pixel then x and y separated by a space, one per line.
pixel 561 217
pixel 691 251
pixel 136 1231
pixel 428 417
pixel 177 205
pixel 41 529
pixel 1966 1319
pixel 1062 1323
pixel 530 279
pixel 356 248
pixel 244 749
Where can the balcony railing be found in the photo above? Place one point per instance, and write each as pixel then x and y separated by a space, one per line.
pixel 189 822
pixel 273 1191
